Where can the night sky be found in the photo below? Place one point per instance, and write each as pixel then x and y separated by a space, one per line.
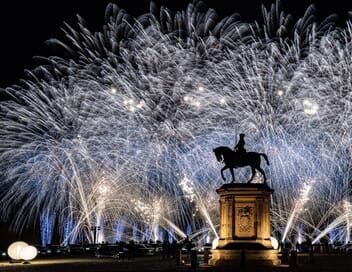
pixel 26 25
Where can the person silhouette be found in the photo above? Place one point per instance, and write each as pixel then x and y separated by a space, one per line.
pixel 239 148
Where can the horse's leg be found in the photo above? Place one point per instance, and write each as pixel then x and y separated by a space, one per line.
pixel 232 174
pixel 222 172
pixel 263 173
pixel 253 174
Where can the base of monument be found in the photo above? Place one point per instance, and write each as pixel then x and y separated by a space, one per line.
pixel 254 257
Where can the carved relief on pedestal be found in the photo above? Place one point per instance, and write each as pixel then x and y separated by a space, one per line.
pixel 245 220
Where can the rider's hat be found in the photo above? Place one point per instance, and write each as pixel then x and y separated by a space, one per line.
pixel 242 135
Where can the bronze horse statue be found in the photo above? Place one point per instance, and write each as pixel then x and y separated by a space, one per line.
pixel 232 160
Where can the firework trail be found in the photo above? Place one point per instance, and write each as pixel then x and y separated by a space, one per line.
pixel 142 103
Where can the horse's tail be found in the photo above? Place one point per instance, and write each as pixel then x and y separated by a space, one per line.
pixel 265 157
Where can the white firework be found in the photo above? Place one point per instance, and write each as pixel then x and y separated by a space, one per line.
pixel 142 103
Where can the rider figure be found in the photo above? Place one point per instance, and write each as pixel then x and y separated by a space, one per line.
pixel 239 148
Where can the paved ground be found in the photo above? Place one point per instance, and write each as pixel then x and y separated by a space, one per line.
pixel 324 263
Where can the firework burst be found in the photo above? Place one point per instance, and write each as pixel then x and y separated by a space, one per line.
pixel 124 128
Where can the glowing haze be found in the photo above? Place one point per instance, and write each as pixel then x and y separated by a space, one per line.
pixel 120 134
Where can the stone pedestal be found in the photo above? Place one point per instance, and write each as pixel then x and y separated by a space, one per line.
pixel 244 225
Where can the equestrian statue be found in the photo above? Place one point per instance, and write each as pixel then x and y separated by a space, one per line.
pixel 239 157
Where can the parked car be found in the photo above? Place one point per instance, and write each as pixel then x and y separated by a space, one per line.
pixel 347 248
pixel 144 250
pixel 207 247
pixel 43 251
pixel 76 250
pixel 53 250
pixel 62 250
pixel 157 247
pixel 89 250
pixel 110 251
